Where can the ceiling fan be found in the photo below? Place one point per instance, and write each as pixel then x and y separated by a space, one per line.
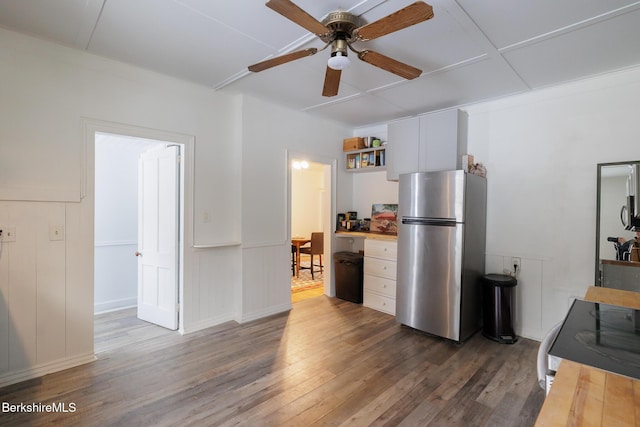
pixel 340 30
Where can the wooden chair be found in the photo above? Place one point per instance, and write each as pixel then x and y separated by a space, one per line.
pixel 316 248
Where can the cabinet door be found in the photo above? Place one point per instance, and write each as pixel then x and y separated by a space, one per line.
pixel 439 141
pixel 402 147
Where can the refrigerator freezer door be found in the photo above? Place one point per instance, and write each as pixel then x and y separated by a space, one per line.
pixel 433 195
pixel 429 278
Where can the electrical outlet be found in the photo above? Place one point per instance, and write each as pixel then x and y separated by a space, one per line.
pixel 515 263
pixel 8 234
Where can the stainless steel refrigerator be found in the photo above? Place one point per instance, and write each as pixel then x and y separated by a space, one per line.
pixel 441 252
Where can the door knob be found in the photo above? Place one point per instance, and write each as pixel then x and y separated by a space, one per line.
pixel 138 253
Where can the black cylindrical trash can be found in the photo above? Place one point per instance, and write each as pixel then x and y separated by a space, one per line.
pixel 348 271
pixel 498 308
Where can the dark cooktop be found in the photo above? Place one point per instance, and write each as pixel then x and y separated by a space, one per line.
pixel 601 335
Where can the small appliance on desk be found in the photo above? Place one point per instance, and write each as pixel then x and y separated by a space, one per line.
pixel 347 221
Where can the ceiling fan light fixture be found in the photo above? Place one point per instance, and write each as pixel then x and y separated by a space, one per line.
pixel 339 29
pixel 339 61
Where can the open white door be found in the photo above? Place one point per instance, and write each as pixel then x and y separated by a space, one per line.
pixel 158 203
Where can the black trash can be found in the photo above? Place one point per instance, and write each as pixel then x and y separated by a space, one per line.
pixel 348 270
pixel 498 308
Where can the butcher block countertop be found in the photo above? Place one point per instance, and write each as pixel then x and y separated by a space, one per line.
pixel 586 396
pixel 367 235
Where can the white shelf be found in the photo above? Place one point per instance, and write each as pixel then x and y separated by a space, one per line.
pixel 366 160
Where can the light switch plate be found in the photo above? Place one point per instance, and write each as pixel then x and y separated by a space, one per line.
pixel 56 232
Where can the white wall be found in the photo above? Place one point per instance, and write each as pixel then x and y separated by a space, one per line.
pixel 541 150
pixel 265 234
pixel 370 188
pixel 307 190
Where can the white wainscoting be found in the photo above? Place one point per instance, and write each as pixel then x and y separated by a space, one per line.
pixel 266 280
pixel 32 286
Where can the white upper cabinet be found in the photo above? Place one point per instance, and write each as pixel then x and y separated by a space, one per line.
pixel 403 140
pixel 431 142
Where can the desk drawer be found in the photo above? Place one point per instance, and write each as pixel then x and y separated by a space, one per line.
pixel 380 267
pixel 379 302
pixel 380 285
pixel 386 249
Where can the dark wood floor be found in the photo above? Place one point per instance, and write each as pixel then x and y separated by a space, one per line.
pixel 327 362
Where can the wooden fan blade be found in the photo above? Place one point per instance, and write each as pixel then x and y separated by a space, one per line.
pixel 283 59
pixel 389 64
pixel 331 82
pixel 403 18
pixel 293 13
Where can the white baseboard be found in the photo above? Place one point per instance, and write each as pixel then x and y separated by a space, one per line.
pixel 206 323
pixel 229 317
pixel 248 317
pixel 531 334
pixel 47 368
pixel 105 307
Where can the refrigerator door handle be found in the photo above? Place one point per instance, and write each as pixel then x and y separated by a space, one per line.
pixel 447 222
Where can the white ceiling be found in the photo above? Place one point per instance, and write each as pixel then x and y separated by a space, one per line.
pixel 470 51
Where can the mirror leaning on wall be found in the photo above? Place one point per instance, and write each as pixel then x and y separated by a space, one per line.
pixel 618 226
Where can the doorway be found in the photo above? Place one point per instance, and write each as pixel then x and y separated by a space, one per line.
pixel 311 201
pixel 136 222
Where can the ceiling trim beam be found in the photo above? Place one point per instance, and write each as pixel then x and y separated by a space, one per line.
pixel 573 27
pixel 485 42
pixel 89 22
pixel 333 101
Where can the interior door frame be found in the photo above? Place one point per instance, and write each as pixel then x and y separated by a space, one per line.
pixel 185 227
pixel 329 280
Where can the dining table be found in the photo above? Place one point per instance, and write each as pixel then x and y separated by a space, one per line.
pixel 298 242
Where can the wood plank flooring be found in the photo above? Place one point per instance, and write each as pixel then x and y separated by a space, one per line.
pixel 327 362
pixel 306 294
